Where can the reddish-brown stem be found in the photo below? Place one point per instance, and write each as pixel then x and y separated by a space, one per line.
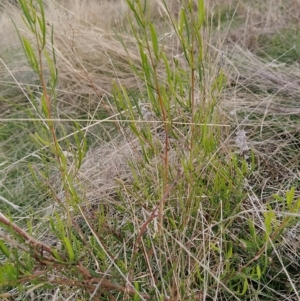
pixel 49 115
pixel 47 99
pixel 153 214
pixel 28 239
pixel 163 111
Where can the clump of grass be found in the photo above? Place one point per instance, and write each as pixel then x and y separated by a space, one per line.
pixel 281 46
pixel 162 206
pixel 261 99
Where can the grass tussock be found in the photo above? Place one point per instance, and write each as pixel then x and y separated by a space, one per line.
pixel 149 151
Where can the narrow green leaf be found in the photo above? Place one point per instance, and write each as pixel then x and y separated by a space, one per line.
pixel 245 287
pixel 42 23
pixel 136 296
pixel 278 198
pixel 267 223
pixel 56 255
pixel 4 250
pixel 167 66
pixel 269 217
pixel 187 28
pixel 165 100
pixel 214 247
pixel 145 64
pixel 154 40
pixel 181 23
pixel 201 13
pixel 69 248
pixel 290 197
pixel 219 83
pixel 42 34
pixel 8 272
pixel 44 105
pixel 297 205
pixel 229 251
pixel 57 226
pixel 52 68
pixel 200 53
pixel 258 271
pixel 41 140
pixel 30 26
pixel 252 229
pixel 28 19
pixel 31 57
pixel 136 14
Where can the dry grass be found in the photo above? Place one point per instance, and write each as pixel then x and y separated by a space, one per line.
pixel 261 98
pixel 88 51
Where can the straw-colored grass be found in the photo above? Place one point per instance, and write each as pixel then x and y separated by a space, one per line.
pixel 190 194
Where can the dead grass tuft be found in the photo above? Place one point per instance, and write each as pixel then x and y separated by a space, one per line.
pixel 88 50
pixel 260 102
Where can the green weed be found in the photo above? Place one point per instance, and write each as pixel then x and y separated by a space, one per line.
pixel 162 208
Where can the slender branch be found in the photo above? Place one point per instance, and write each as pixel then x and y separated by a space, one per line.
pixel 34 243
pixel 153 214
